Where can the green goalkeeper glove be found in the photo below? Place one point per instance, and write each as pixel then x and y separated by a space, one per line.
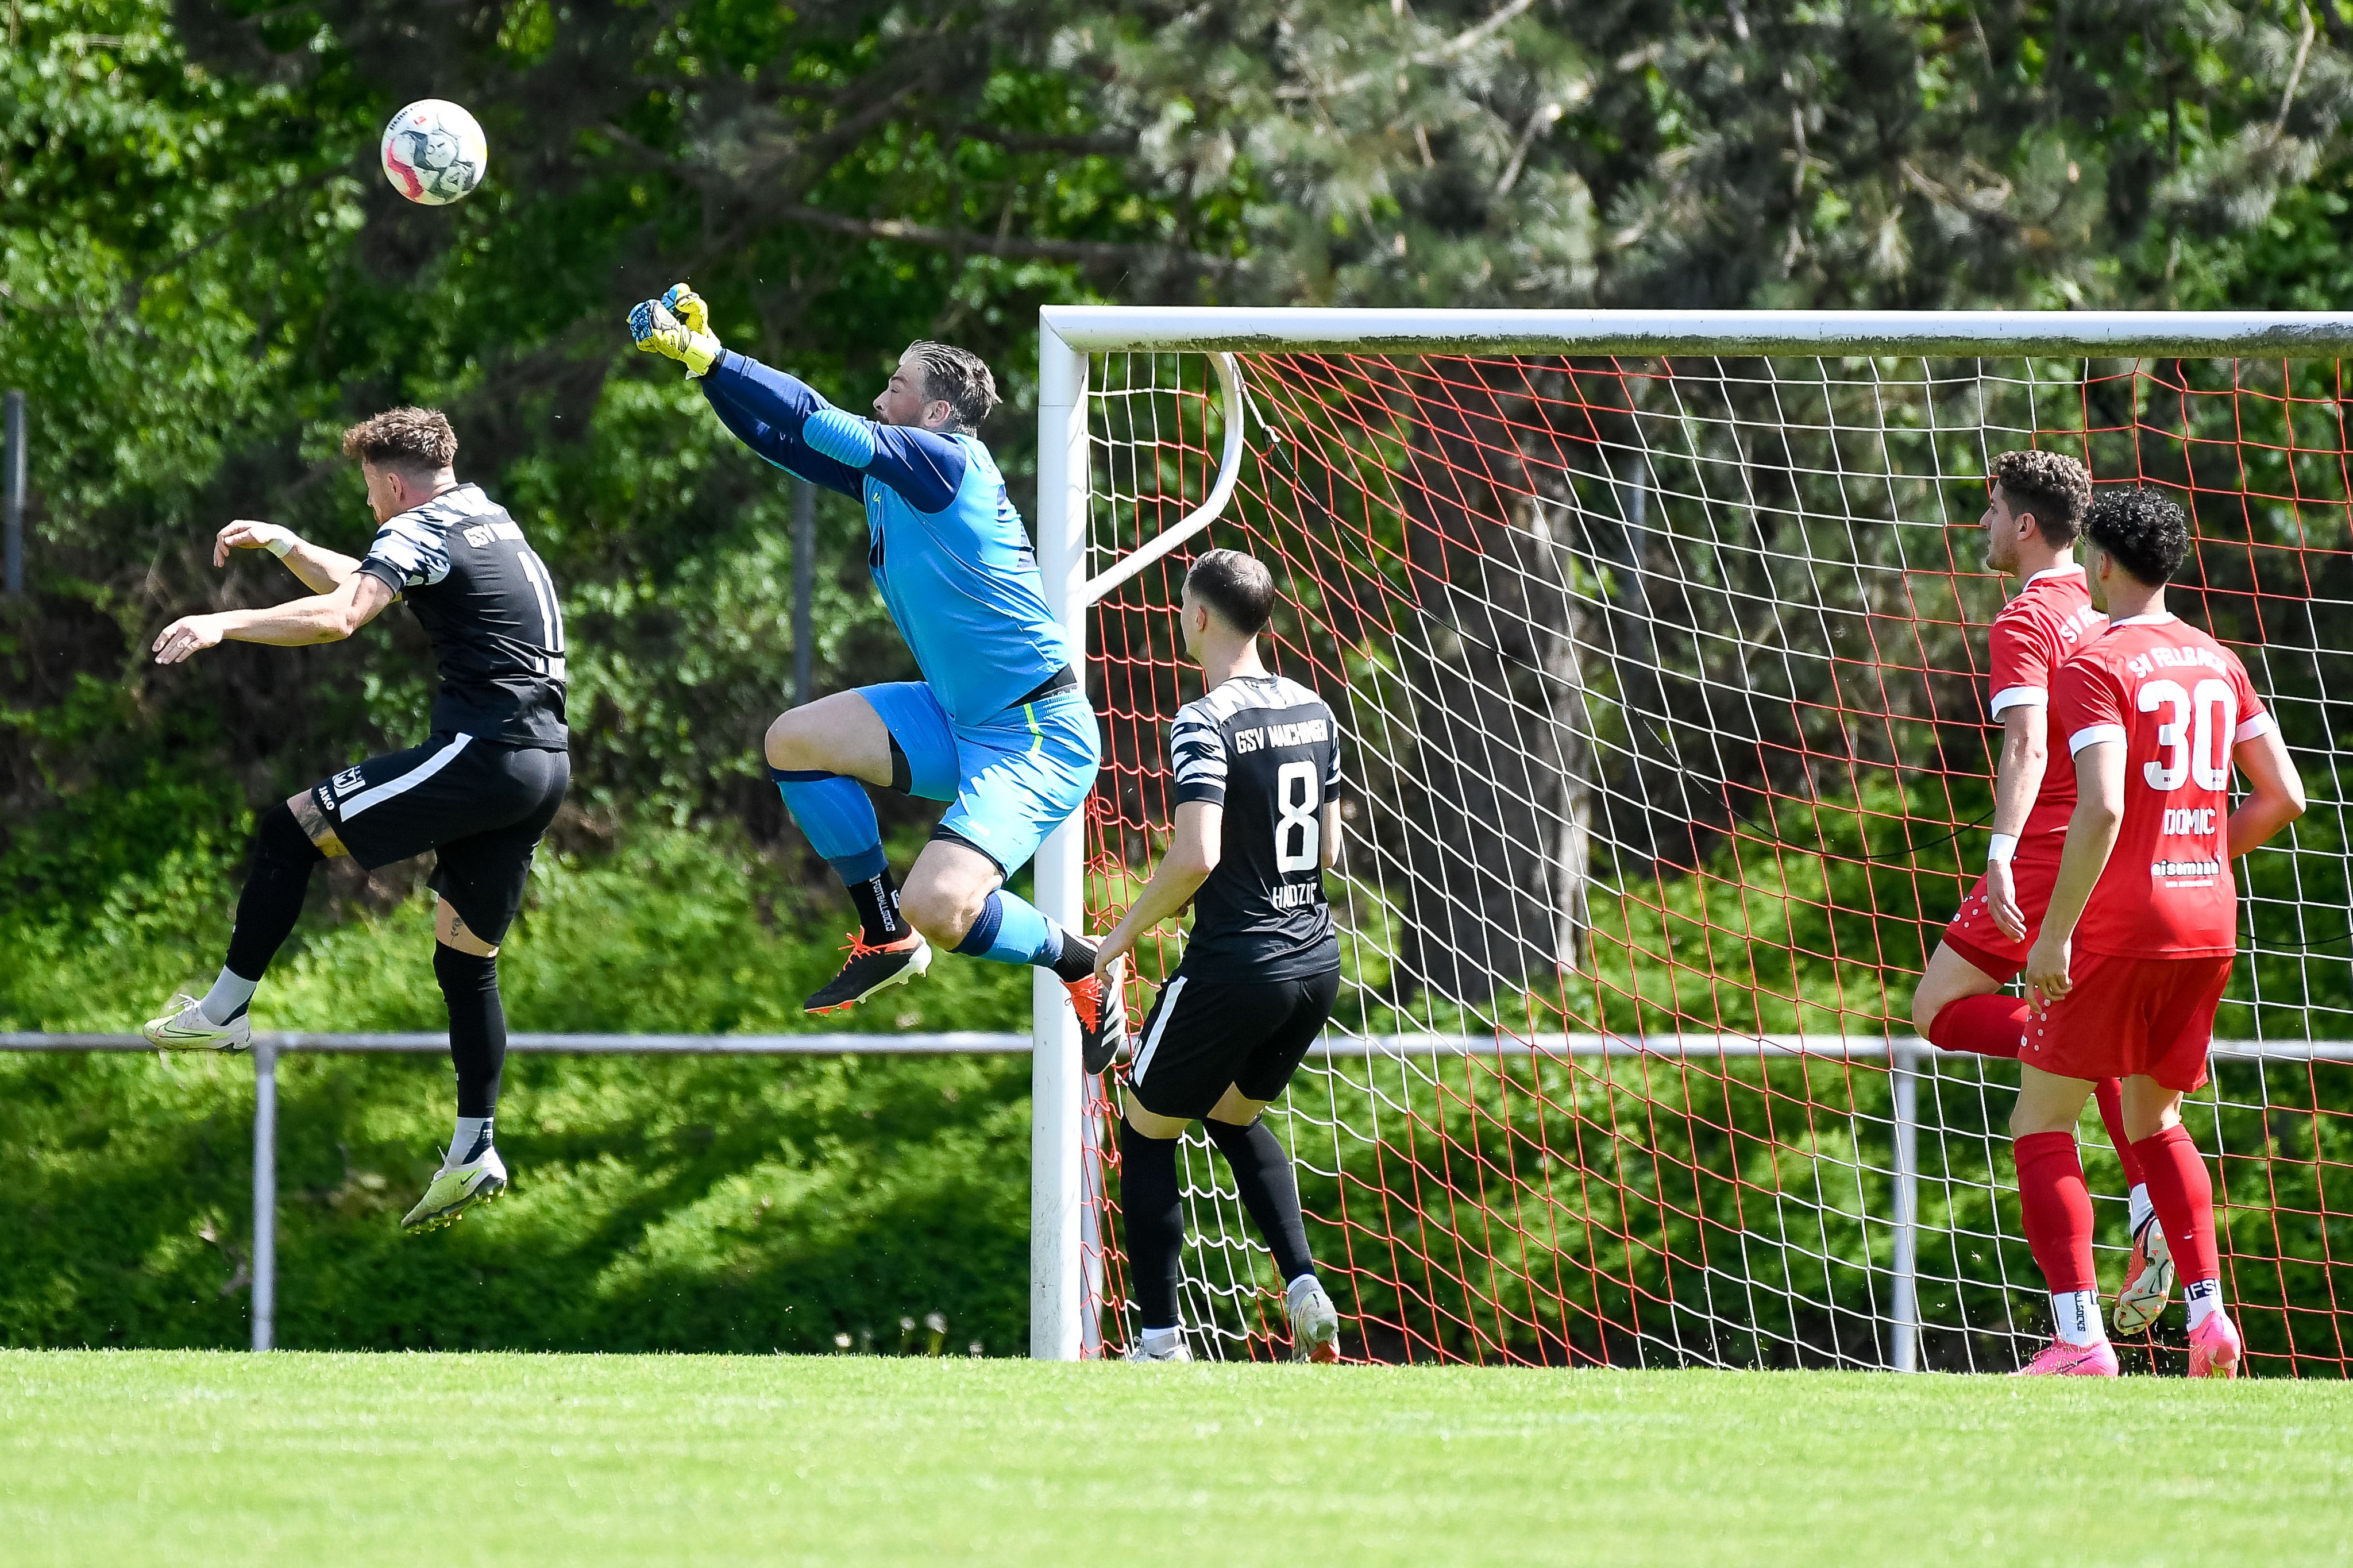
pixel 676 326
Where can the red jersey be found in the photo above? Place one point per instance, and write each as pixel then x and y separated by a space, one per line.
pixel 2036 633
pixel 2179 701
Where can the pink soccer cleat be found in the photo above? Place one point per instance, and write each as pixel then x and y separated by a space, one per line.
pixel 2059 1359
pixel 2214 1348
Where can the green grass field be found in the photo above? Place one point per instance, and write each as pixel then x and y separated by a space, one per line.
pixel 136 1458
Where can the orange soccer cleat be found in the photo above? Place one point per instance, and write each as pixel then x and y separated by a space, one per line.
pixel 1102 1022
pixel 870 969
pixel 2149 1279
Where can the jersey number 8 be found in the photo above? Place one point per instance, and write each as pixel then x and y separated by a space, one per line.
pixel 1297 789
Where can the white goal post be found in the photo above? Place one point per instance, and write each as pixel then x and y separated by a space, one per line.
pixel 1067 1259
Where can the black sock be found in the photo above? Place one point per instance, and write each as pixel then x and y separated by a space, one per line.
pixel 1262 1174
pixel 1153 1210
pixel 274 888
pixel 477 1026
pixel 1078 959
pixel 877 897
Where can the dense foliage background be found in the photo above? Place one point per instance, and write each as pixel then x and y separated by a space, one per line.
pixel 203 279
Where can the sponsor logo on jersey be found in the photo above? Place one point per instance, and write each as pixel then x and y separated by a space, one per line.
pixel 483 533
pixel 2162 869
pixel 344 784
pixel 1306 732
pixel 2163 658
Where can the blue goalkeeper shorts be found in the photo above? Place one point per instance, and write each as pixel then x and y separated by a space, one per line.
pixel 1014 779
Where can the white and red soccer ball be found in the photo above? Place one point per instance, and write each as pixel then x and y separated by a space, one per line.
pixel 433 152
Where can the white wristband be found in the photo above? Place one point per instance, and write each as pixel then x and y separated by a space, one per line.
pixel 282 545
pixel 2000 848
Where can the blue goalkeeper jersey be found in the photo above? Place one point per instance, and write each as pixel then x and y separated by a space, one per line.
pixel 945 545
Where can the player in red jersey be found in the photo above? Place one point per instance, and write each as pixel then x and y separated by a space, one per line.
pixel 2034 508
pixel 2136 945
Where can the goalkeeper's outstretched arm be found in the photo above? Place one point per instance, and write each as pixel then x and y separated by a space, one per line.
pixel 786 421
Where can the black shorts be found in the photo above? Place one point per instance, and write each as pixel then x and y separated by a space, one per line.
pixel 1205 1036
pixel 482 805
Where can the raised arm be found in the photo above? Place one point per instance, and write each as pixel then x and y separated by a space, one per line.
pixel 325 617
pixel 769 411
pixel 322 569
pixel 782 417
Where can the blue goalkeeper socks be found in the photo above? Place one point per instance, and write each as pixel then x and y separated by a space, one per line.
pixel 1011 930
pixel 839 820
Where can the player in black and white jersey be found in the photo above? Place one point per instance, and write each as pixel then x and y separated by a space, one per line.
pixel 481 790
pixel 1258 820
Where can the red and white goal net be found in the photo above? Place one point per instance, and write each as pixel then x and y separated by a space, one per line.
pixel 1662 680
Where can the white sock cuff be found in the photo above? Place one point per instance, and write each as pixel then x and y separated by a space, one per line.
pixel 2076 1316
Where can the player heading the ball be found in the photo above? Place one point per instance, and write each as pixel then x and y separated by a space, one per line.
pixel 2136 945
pixel 2034 510
pixel 480 791
pixel 1258 820
pixel 999 725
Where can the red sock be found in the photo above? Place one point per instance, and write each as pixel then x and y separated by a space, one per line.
pixel 2110 1095
pixel 1993 1024
pixel 2183 1196
pixel 2057 1208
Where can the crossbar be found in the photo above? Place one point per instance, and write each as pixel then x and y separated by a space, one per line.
pixel 2096 334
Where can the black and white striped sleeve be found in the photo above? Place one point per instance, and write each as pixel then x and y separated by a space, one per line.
pixel 1197 749
pixel 409 552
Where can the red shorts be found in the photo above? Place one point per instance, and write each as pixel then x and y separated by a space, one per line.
pixel 2152 1016
pixel 2032 871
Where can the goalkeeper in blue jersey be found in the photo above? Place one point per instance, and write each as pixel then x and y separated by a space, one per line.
pixel 999 725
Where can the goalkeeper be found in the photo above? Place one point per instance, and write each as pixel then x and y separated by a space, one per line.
pixel 999 725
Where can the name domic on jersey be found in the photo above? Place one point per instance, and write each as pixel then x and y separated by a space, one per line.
pixel 2188 822
pixel 1306 732
pixel 481 534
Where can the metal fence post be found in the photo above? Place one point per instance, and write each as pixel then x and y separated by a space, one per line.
pixel 11 486
pixel 1903 1333
pixel 265 1195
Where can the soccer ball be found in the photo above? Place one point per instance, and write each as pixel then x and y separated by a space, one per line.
pixel 433 152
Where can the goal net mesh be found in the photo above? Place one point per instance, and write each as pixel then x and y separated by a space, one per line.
pixel 1663 692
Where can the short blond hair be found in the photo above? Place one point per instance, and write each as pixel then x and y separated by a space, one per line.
pixel 404 438
pixel 957 378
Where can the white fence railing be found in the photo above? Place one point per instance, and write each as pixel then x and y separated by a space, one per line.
pixel 1905 1054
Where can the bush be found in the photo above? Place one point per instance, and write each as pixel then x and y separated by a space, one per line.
pixel 683 1204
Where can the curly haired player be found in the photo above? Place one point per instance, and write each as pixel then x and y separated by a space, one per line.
pixel 2136 945
pixel 2035 510
pixel 998 724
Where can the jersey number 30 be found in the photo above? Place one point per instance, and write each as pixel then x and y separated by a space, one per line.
pixel 2198 737
pixel 1299 831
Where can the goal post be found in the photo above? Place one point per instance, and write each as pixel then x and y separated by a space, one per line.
pixel 1657 641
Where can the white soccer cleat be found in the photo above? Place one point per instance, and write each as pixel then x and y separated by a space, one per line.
pixel 456 1190
pixel 2148 1280
pixel 1314 1322
pixel 184 1028
pixel 1174 1349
